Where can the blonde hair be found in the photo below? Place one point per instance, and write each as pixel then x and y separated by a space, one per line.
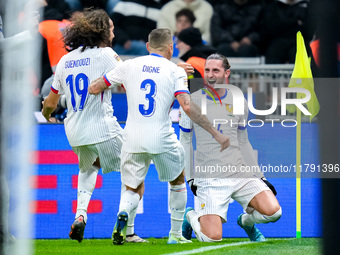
pixel 160 38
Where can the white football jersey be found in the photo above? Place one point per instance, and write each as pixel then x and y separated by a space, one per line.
pixel 89 117
pixel 151 84
pixel 207 148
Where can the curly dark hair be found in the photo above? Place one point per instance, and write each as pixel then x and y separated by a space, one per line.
pixel 89 28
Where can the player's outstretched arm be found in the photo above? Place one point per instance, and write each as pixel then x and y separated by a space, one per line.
pixel 187 68
pixel 49 105
pixel 194 113
pixel 97 86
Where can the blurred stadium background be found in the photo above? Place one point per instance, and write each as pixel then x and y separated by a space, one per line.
pixel 42 184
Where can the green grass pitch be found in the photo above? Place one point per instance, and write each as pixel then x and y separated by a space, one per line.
pixel 235 246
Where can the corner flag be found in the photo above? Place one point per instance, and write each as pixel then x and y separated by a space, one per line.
pixel 302 75
pixel 302 78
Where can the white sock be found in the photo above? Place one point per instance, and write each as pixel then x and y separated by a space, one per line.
pixel 192 218
pixel 255 217
pixel 129 202
pixel 86 184
pixel 177 204
pixel 249 210
pixel 130 230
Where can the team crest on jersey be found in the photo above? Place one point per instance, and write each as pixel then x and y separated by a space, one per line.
pixel 117 57
pixel 202 206
pixel 229 108
pixel 180 115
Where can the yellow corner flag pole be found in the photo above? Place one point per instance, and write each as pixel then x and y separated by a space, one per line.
pixel 302 78
pixel 298 173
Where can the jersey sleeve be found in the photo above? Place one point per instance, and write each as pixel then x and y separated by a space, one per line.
pixel 56 86
pixel 181 85
pixel 185 123
pixel 116 77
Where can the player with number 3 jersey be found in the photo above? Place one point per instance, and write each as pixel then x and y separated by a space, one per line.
pixel 149 104
pixel 152 83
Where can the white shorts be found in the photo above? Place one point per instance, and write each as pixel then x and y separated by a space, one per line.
pixel 108 153
pixel 214 194
pixel 169 166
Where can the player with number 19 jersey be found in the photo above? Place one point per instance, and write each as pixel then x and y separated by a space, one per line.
pixel 89 118
pixel 150 91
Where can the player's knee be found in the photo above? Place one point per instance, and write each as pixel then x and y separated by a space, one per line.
pixel 212 236
pixel 274 209
pixel 275 216
pixel 271 209
pixel 179 180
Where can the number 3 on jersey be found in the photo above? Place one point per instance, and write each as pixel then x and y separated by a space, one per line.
pixel 81 80
pixel 148 110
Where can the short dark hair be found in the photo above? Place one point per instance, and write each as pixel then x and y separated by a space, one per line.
pixel 218 56
pixel 89 28
pixel 187 13
pixel 160 38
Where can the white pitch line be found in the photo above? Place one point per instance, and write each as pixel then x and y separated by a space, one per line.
pixel 216 247
pixel 210 248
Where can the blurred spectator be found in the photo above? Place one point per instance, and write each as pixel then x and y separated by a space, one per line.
pixel 134 19
pixel 193 51
pixel 202 9
pixel 233 27
pixel 280 20
pixel 52 49
pixel 184 18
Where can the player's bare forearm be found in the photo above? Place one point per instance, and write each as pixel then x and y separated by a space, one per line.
pixel 47 111
pixel 203 121
pixel 48 108
pixel 97 86
pixel 194 113
pixel 49 105
pixel 200 119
